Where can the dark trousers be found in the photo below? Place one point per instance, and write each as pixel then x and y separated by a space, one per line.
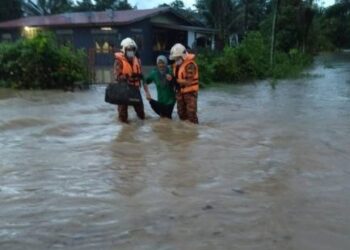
pixel 161 109
pixel 123 112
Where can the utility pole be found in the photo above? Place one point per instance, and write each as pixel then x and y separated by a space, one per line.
pixel 273 35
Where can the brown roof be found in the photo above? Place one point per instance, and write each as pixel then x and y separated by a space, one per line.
pixel 86 18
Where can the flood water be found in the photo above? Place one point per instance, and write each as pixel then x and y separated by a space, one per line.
pixel 267 168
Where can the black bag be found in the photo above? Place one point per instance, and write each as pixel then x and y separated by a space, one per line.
pixel 122 93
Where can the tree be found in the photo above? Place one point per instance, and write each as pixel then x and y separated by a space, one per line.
pixel 336 24
pixel 101 5
pixel 254 12
pixel 294 23
pixel 305 17
pixel 177 4
pixel 46 7
pixel 10 9
pixel 219 15
pixel 123 5
pixel 84 5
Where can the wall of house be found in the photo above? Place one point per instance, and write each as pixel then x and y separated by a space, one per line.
pixel 9 35
pixel 191 38
pixel 140 32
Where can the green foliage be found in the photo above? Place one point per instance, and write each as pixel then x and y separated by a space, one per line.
pixel 177 4
pixel 247 61
pixel 101 5
pixel 336 24
pixel 206 67
pixel 84 5
pixel 289 64
pixel 46 7
pixel 250 60
pixel 40 63
pixel 219 15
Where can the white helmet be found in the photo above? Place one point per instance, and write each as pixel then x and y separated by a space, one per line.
pixel 128 43
pixel 178 50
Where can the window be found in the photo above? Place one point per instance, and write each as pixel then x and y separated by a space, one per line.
pixel 164 39
pixel 138 38
pixel 160 40
pixel 105 39
pixel 104 44
pixel 6 37
pixel 64 37
pixel 30 32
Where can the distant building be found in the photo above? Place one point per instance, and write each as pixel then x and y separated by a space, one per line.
pixel 100 33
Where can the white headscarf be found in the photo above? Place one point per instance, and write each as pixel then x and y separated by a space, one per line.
pixel 163 59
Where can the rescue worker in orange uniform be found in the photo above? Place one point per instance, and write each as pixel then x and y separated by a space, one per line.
pixel 127 66
pixel 185 71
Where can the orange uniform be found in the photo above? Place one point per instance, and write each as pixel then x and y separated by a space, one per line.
pixel 132 72
pixel 188 70
pixel 187 94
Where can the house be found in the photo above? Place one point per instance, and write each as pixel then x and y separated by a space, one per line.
pixel 100 33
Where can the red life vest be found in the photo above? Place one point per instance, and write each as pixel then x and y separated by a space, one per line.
pixel 182 74
pixel 128 70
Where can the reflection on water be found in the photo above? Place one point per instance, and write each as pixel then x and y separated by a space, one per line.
pixel 266 169
pixel 128 159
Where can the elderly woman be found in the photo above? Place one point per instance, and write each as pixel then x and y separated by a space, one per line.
pixel 162 78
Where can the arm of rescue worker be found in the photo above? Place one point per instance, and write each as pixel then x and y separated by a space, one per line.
pixel 117 70
pixel 135 77
pixel 190 74
pixel 173 80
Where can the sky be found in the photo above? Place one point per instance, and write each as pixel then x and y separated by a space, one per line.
pixel 142 4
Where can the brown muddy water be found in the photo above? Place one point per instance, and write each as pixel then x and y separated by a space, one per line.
pixel 268 168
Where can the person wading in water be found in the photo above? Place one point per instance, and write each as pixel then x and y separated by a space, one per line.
pixel 127 66
pixel 162 78
pixel 186 73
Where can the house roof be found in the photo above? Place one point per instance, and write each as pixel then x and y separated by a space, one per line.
pixel 186 27
pixel 107 17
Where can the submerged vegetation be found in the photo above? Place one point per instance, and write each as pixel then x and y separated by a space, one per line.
pixel 278 38
pixel 250 60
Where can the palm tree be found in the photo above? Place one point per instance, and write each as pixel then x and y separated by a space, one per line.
pixel 46 7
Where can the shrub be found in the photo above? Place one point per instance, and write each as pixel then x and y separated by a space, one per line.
pixel 206 68
pixel 289 65
pixel 40 63
pixel 250 60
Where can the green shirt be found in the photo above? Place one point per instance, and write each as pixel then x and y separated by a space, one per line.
pixel 165 91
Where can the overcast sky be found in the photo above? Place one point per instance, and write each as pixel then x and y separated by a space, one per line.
pixel 142 4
